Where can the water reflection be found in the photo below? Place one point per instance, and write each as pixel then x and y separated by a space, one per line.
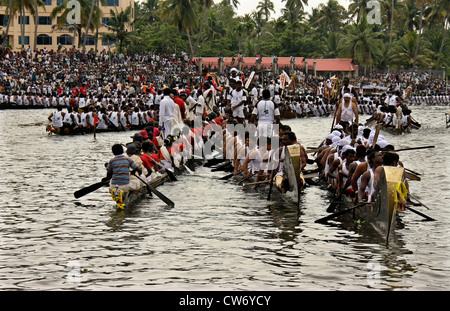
pixel 219 235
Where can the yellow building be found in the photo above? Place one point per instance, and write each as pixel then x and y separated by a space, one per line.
pixel 50 37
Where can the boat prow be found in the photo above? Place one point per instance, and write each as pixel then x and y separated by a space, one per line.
pixel 382 213
pixel 292 169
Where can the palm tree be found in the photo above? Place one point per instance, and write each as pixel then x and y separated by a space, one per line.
pixel 8 4
pixel 234 3
pixel 331 15
pixel 265 6
pixel 358 9
pixel 60 12
pixel 147 11
pixel 330 47
pixel 361 43
pixel 206 4
pixel 440 14
pixel 118 25
pixel 183 14
pixel 292 4
pixel 20 6
pixel 421 4
pixel 37 4
pixel 404 51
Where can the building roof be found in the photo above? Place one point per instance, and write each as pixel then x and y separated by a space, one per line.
pixel 329 64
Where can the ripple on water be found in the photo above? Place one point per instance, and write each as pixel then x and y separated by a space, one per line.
pixel 218 237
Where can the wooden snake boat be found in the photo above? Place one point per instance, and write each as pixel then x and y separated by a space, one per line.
pixel 292 174
pixel 382 213
pixel 128 199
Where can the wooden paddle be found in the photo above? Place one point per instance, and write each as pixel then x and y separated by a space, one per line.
pixel 169 172
pixel 415 198
pixel 414 148
pixel 86 190
pixel 257 183
pixel 271 185
pixel 151 189
pixel 325 219
pixel 226 177
pixel 377 132
pixel 428 218
pixel 412 176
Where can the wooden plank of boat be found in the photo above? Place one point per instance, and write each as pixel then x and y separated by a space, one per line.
pixel 131 198
pixel 292 171
pixel 447 118
pixel 56 131
pixel 382 213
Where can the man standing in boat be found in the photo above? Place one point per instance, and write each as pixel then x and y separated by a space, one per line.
pixel 347 110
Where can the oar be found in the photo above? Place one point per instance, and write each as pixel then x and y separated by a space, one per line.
pixel 413 172
pixel 226 176
pixel 188 169
pixel 415 198
pixel 151 189
pixel 325 219
pixel 415 148
pixel 271 185
pixel 89 189
pixel 377 132
pixel 169 172
pixel 412 176
pixel 257 183
pixel 428 218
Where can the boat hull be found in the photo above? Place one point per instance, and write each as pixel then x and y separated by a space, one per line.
pixel 382 213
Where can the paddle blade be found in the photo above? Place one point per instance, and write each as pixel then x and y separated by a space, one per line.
pixel 161 196
pixel 86 190
pixel 325 219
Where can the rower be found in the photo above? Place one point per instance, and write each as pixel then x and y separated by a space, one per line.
pixel 133 151
pixel 348 156
pixel 289 138
pixel 366 187
pixel 392 159
pixel 57 118
pixel 118 172
pixel 254 162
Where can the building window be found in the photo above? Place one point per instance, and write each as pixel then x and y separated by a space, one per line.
pixel 65 40
pixel 44 40
pixel 58 2
pixel 26 20
pixel 45 20
pixel 112 2
pixel 108 42
pixel 4 20
pixel 26 41
pixel 105 20
pixel 90 40
pixel 47 2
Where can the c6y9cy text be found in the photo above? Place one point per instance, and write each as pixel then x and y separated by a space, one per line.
pixel 231 300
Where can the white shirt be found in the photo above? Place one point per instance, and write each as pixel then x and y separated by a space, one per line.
pixel 166 109
pixel 266 111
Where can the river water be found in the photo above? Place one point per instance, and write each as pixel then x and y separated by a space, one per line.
pixel 218 236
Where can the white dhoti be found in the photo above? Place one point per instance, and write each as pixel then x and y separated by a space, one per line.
pixel 167 128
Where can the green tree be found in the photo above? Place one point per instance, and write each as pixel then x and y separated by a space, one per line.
pixel 265 6
pixel 361 43
pixel 9 5
pixel 184 15
pixel 330 17
pixel 60 13
pixel 119 25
